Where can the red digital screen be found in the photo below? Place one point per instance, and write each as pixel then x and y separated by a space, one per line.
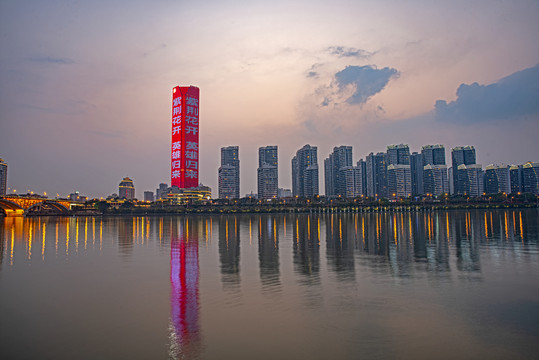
pixel 184 147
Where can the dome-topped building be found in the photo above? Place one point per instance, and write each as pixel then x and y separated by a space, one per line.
pixel 127 189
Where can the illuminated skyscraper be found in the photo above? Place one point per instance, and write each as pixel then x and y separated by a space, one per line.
pixel 127 189
pixel 184 167
pixel 305 172
pixel 3 177
pixel 229 173
pixel 267 172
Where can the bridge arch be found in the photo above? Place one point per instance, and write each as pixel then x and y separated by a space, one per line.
pixel 9 208
pixel 47 208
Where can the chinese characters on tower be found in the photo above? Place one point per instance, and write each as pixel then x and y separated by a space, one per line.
pixel 184 150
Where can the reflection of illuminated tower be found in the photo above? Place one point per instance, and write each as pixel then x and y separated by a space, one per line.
pixel 229 250
pixel 339 246
pixel 126 235
pixel 184 270
pixel 268 249
pixel 307 244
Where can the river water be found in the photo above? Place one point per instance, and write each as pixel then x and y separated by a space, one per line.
pixel 441 285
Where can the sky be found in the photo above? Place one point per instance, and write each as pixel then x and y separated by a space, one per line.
pixel 86 86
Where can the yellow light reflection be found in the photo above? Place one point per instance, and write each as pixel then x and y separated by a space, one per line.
pixel 100 235
pixel 318 230
pixel 67 238
pixel 77 235
pixel 506 227
pixel 12 244
pixel 486 227
pixel 30 241
pixel 521 225
pixel 274 233
pixel 395 229
pixel 297 231
pixel 226 232
pixel 309 227
pixel 43 244
pixel 340 230
pixel 56 239
pixel 447 225
pixel 85 233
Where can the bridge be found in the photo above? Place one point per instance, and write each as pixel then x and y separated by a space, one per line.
pixel 19 206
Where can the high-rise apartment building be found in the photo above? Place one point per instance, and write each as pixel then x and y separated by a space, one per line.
pixel 376 174
pixel 435 182
pixel 352 177
pixel 435 179
pixel 339 158
pixel 305 172
pixel 461 155
pixel 470 179
pixel 267 172
pixel 497 179
pixel 126 189
pixel 398 154
pixel 3 177
pixel 416 168
pixel 362 165
pixel 370 173
pixel 399 181
pixel 229 173
pixel 433 154
pixel 530 177
pixel 148 196
pixel 161 192
pixel 515 174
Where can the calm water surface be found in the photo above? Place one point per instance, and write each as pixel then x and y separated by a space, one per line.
pixel 438 285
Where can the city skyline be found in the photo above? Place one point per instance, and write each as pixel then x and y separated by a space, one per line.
pixel 82 106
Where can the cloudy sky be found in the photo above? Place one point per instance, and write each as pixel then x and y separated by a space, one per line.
pixel 86 86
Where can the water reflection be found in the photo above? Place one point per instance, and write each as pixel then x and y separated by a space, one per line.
pixel 306 247
pixel 229 250
pixel 184 283
pixel 340 240
pixel 268 250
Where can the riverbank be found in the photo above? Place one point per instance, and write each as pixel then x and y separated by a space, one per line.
pixel 274 208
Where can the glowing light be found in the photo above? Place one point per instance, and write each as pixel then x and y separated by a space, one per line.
pixel 43 244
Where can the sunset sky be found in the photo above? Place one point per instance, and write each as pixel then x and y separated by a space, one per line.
pixel 86 86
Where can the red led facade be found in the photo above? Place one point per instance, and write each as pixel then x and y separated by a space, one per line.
pixel 184 163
